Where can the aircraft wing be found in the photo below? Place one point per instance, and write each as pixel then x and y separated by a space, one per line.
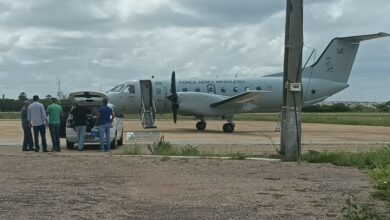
pixel 238 100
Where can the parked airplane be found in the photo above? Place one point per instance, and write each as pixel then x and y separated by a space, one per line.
pixel 225 97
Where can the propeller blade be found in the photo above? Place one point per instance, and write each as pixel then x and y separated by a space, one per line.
pixel 173 83
pixel 173 97
pixel 174 113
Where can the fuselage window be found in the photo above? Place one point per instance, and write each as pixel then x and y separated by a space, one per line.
pixel 258 88
pixel 117 88
pixel 235 89
pixel 185 89
pixel 158 90
pixel 247 89
pixel 223 90
pixel 197 89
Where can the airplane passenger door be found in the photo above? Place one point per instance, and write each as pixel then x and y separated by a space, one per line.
pixel 211 88
pixel 147 93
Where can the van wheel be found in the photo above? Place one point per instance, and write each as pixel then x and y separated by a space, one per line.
pixel 114 142
pixel 69 145
pixel 120 141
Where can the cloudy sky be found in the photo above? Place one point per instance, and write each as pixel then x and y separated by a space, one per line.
pixel 95 44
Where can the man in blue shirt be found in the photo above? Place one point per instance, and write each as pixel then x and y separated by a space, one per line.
pixel 105 118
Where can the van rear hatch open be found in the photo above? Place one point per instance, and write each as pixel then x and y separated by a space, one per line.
pixel 87 98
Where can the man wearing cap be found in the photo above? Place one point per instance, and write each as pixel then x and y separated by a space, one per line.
pixel 28 144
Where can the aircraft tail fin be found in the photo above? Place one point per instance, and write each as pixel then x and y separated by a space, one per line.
pixel 335 63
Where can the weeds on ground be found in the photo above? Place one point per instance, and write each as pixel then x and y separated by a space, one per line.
pixel 354 211
pixel 190 150
pixel 132 150
pixel 161 147
pixel 238 156
pixel 376 163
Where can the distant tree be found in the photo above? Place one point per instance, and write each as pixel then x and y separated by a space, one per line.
pixel 383 107
pixel 48 96
pixel 22 97
pixel 339 107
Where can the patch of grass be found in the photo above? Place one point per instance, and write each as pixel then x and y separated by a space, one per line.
pixel 354 211
pixel 377 164
pixel 9 115
pixel 190 150
pixel 382 179
pixel 238 156
pixel 132 150
pixel 363 160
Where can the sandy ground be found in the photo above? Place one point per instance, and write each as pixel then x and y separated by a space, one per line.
pixel 95 185
pixel 249 137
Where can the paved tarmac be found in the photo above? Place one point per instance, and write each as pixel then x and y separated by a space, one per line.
pixel 248 137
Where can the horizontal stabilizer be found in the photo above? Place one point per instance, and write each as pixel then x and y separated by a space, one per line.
pixel 238 100
pixel 364 37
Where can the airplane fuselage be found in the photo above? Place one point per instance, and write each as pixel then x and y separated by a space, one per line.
pixel 128 96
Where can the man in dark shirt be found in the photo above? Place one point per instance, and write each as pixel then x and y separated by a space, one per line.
pixel 28 144
pixel 105 118
pixel 80 120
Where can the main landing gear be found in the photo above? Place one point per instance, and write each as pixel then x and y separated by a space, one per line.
pixel 201 125
pixel 227 127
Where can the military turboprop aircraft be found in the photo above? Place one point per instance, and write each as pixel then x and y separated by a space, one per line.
pixel 225 97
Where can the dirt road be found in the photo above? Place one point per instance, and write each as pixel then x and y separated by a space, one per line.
pixel 53 186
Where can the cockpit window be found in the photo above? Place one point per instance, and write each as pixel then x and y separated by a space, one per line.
pixel 117 88
pixel 130 89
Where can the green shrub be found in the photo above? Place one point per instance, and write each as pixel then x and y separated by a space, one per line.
pixel 161 147
pixel 190 150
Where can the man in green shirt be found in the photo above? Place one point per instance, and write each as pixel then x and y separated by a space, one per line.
pixel 54 112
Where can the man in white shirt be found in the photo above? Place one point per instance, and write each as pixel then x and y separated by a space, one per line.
pixel 36 115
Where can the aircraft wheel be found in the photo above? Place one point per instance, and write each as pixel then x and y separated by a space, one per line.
pixel 201 125
pixel 120 141
pixel 228 127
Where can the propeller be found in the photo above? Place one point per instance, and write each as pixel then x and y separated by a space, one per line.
pixel 173 97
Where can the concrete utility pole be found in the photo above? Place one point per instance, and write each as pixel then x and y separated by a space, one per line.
pixel 290 139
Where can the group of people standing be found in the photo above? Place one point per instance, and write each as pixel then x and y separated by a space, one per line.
pixel 34 115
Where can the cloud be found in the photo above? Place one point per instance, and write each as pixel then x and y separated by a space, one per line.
pixel 93 44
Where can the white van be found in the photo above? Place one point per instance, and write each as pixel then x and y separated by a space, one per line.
pixel 93 101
